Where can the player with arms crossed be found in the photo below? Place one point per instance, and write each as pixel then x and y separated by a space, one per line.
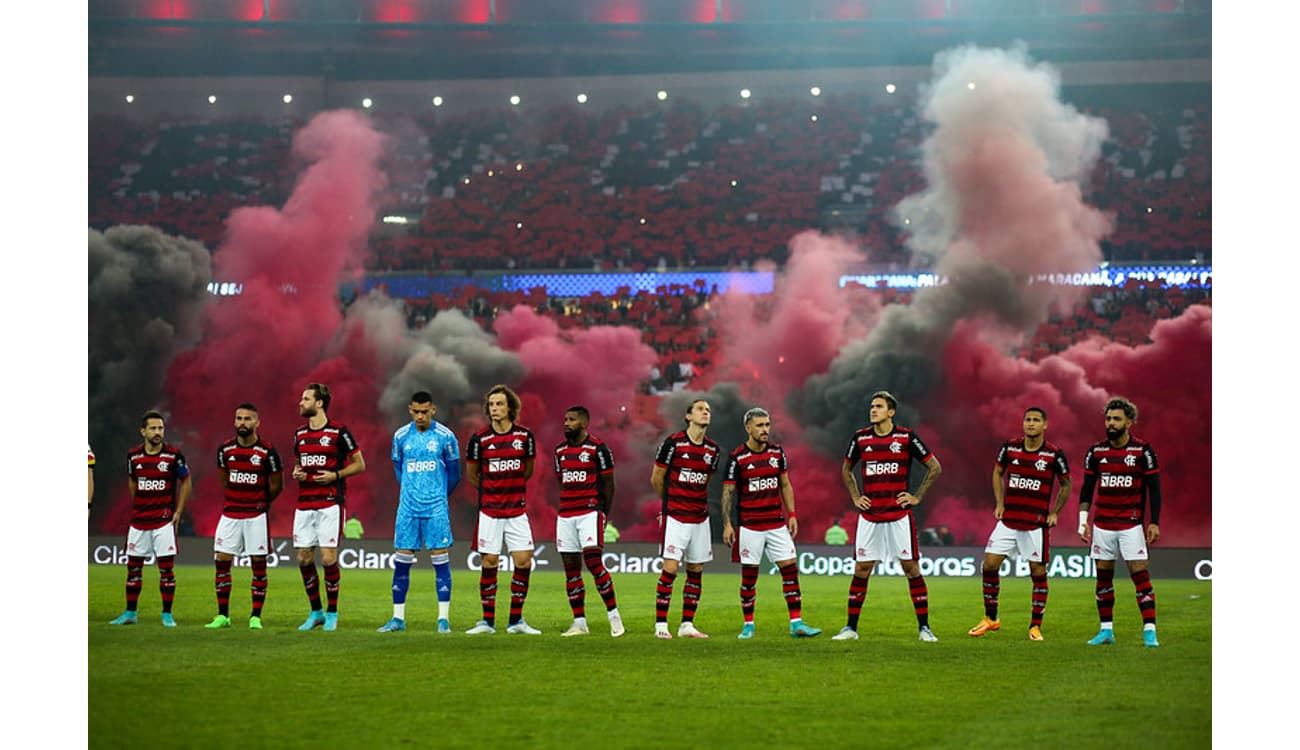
pixel 1123 472
pixel 886 528
pixel 252 476
pixel 426 459
pixel 757 474
pixel 1023 475
pixel 327 455
pixel 499 460
pixel 584 465
pixel 160 485
pixel 686 461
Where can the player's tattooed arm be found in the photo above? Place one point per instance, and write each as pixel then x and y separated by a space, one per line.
pixel 859 500
pixel 728 502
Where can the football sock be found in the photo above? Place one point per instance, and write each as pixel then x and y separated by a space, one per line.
pixel 167 581
pixel 518 593
pixel 748 586
pixel 600 576
pixel 258 584
pixel 1038 600
pixel 311 584
pixel 790 587
pixel 664 595
pixel 1105 595
pixel 920 600
pixel 487 594
pixel 857 597
pixel 1146 596
pixel 223 583
pixel 573 584
pixel 332 575
pixel 992 586
pixel 691 594
pixel 134 582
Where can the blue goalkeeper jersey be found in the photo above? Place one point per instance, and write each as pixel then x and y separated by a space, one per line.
pixel 427 466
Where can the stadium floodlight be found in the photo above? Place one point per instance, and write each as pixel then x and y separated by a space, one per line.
pixel 642 219
pixel 212 98
pixel 491 173
pixel 971 85
pixel 582 98
pixel 745 94
pixel 733 183
pixel 437 101
pixel 288 98
pixel 466 180
pixel 519 225
pixel 815 90
pixel 890 88
pixel 1148 209
pixel 367 102
pixel 519 167
pixel 129 98
pixel 514 99
pixel 396 220
pixel 813 118
pixel 662 94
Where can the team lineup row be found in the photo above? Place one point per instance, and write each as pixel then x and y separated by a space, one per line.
pixel 758 511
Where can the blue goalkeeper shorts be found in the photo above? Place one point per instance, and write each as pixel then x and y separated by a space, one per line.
pixel 422 533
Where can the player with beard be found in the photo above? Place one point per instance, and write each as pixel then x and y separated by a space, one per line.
pixel 160 486
pixel 757 483
pixel 1123 472
pixel 326 455
pixel 584 465
pixel 683 467
pixel 253 476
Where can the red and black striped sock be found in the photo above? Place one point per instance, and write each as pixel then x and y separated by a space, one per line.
pixel 1146 596
pixel 790 587
pixel 518 593
pixel 992 587
pixel 134 582
pixel 487 594
pixel 167 581
pixel 573 585
pixel 748 586
pixel 1105 595
pixel 223 581
pixel 664 595
pixel 857 597
pixel 691 594
pixel 258 584
pixel 920 600
pixel 1038 600
pixel 601 577
pixel 332 576
pixel 311 584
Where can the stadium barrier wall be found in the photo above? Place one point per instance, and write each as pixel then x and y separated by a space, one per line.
pixel 814 559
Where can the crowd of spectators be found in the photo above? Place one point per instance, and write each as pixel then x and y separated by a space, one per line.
pixel 665 185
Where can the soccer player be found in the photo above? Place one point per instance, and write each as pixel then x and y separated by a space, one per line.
pixel 253 476
pixel 1023 475
pixel 584 466
pixel 325 454
pixel 498 462
pixel 757 483
pixel 686 461
pixel 886 528
pixel 160 485
pixel 426 459
pixel 1124 473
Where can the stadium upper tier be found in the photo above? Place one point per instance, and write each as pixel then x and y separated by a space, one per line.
pixel 672 184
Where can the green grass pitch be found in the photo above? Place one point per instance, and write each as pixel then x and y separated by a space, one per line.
pixel 190 687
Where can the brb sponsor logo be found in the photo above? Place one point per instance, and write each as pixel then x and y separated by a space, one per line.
pixel 573 477
pixel 760 484
pixel 313 459
pixel 877 468
pixel 498 465
pixel 413 467
pixel 151 485
pixel 1116 480
pixel 1024 483
pixel 686 476
pixel 243 477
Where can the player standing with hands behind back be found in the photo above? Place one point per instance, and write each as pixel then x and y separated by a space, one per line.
pixel 326 454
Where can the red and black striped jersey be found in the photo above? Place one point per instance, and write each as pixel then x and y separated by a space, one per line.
pixel 248 473
pixel 326 449
pixel 156 479
pixel 756 476
pixel 502 459
pixel 688 468
pixel 1121 475
pixel 886 468
pixel 1028 477
pixel 579 469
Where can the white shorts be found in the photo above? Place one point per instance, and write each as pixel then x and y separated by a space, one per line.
pixel 777 542
pixel 886 540
pixel 1131 543
pixel 146 542
pixel 322 527
pixel 687 542
pixel 243 536
pixel 1030 545
pixel 576 533
pixel 515 532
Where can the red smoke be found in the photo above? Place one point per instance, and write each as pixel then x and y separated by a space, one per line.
pixel 282 332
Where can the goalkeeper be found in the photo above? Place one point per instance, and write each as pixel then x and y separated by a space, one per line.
pixel 426 459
